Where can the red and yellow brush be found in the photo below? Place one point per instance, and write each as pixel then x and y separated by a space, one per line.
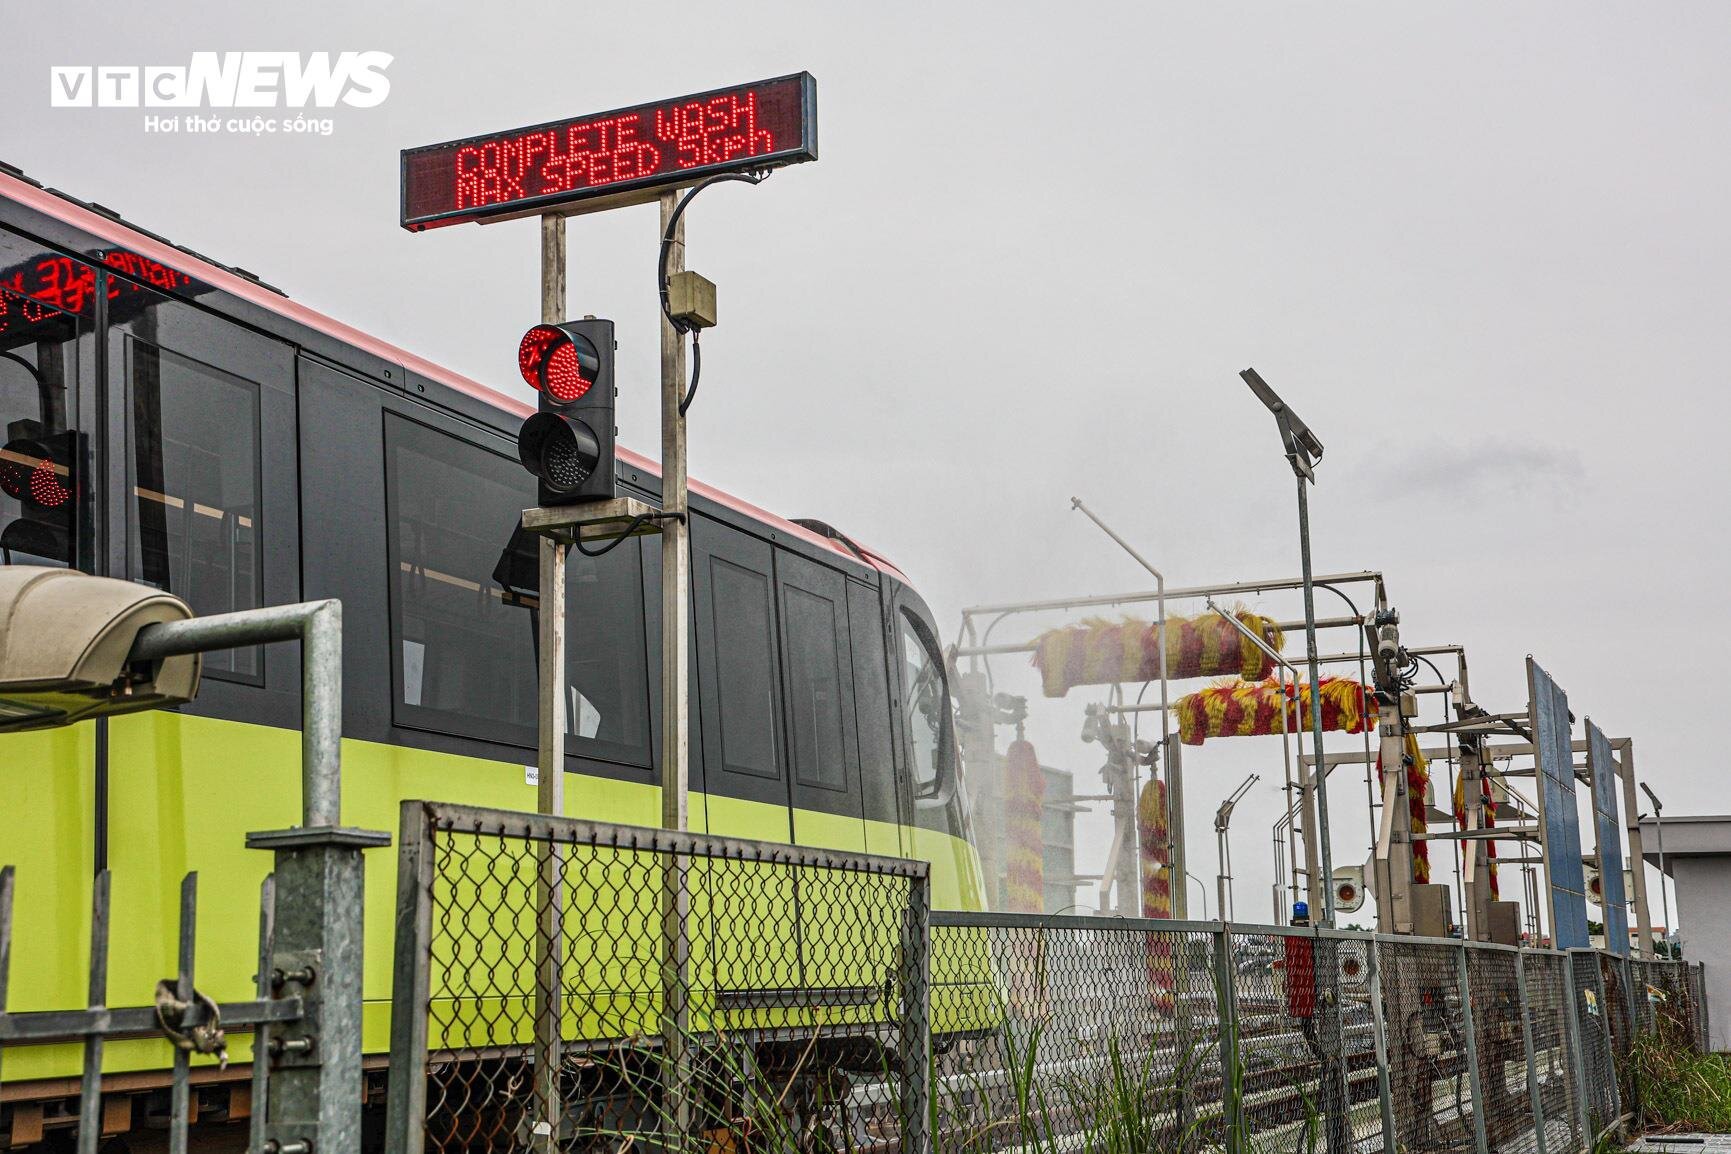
pixel 1024 797
pixel 1101 652
pixel 1253 709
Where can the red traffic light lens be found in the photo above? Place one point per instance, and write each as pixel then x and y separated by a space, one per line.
pixel 563 366
pixel 567 377
pixel 28 474
pixel 533 350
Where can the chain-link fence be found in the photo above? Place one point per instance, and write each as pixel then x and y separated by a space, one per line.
pixel 1097 1033
pixel 1598 1074
pixel 1431 1074
pixel 1616 977
pixel 1505 1104
pixel 572 986
pixel 576 986
pixel 1553 1077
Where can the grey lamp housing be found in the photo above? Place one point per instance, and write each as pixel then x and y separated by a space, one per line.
pixel 65 638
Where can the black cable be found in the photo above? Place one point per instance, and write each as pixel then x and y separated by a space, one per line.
pixel 1441 680
pixel 635 524
pixel 696 370
pixel 756 176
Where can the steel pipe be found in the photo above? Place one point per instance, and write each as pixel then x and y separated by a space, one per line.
pixel 1221 590
pixel 318 626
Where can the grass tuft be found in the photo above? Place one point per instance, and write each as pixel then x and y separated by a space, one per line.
pixel 1680 1088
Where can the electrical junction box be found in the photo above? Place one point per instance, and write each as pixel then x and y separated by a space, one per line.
pixel 1430 911
pixel 1505 927
pixel 691 298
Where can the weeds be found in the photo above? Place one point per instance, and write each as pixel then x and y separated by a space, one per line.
pixel 1679 1087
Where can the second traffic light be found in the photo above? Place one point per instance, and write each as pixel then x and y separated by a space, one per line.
pixel 568 444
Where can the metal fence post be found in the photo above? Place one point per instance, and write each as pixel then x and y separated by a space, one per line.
pixel 261 1033
pixel 7 875
pixel 1384 1093
pixel 1470 1033
pixel 180 1096
pixel 406 1102
pixel 1231 1083
pixel 1697 985
pixel 90 1090
pixel 1534 1097
pixel 1335 1090
pixel 915 1038
pixel 315 1077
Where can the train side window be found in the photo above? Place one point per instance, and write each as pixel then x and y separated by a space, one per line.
pixel 195 488
pixel 464 658
pixel 465 599
pixel 744 623
pixel 814 688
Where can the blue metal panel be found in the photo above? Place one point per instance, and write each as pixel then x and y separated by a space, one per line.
pixel 1607 830
pixel 1549 714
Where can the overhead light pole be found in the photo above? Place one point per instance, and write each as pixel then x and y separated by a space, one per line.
pixel 1664 891
pixel 1222 824
pixel 1303 451
pixel 1201 888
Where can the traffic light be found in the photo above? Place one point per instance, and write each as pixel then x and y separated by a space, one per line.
pixel 37 472
pixel 568 444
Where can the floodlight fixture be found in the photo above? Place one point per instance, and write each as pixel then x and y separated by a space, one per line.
pixel 1303 448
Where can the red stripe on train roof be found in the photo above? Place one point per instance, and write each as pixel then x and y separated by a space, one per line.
pixel 50 204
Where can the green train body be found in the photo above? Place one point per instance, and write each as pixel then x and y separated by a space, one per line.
pixel 367 466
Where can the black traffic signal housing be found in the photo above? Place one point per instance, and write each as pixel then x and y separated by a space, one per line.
pixel 568 443
pixel 38 471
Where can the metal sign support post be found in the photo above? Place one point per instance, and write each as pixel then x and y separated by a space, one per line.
pixel 675 690
pixel 550 764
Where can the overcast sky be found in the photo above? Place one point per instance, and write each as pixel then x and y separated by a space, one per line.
pixel 1481 249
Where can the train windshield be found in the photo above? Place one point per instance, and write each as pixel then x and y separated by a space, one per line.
pixel 927 708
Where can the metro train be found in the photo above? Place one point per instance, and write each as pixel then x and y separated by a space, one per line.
pixel 177 422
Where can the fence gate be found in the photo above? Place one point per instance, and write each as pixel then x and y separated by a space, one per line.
pixel 178 1013
pixel 565 984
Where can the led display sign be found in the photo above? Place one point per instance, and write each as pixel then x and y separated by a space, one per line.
pixel 626 156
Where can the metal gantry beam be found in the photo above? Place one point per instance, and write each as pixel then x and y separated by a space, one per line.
pixel 1191 592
